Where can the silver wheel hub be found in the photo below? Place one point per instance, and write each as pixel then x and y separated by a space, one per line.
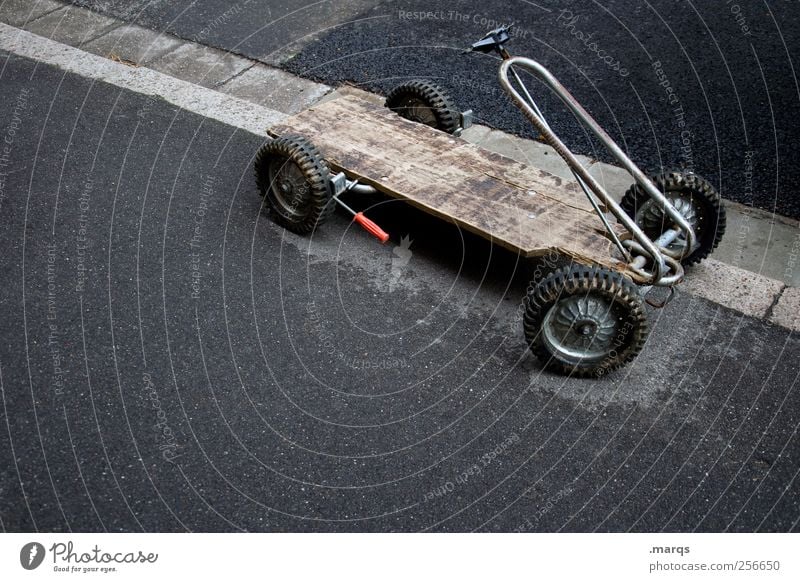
pixel 581 327
pixel 288 186
pixel 653 220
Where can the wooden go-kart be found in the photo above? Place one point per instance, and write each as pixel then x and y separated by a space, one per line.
pixel 587 318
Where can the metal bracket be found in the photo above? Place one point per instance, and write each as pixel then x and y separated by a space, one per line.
pixel 338 184
pixel 465 122
pixel 467 118
pixel 493 41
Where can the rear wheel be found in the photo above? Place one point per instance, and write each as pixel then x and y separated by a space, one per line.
pixel 585 321
pixel 293 177
pixel 691 195
pixel 426 103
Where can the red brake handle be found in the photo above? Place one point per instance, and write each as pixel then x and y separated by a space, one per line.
pixel 371 227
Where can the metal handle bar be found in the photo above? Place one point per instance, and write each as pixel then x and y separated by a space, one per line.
pixel 660 274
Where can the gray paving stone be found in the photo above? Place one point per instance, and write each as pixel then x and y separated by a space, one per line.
pixel 275 89
pixel 732 287
pixel 200 64
pixel 133 43
pixel 345 90
pixel 71 25
pixel 19 12
pixel 475 133
pixel 787 310
pixel 756 241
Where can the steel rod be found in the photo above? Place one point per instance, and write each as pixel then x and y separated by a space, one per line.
pixel 581 183
pixel 544 75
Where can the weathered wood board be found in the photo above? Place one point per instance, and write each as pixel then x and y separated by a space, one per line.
pixel 519 207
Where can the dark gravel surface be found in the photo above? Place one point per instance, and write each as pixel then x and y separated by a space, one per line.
pixel 172 360
pixel 731 111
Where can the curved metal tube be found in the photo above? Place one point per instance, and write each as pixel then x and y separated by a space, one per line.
pixel 637 266
pixel 661 270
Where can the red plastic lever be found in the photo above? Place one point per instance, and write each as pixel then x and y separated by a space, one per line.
pixel 371 227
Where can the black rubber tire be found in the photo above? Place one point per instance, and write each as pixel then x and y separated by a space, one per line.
pixel 405 98
pixel 710 214
pixel 311 204
pixel 578 282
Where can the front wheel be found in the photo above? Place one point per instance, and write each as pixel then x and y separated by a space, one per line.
pixel 585 321
pixel 425 102
pixel 694 198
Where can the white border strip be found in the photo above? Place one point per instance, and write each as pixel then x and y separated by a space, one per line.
pixel 206 102
pixel 402 557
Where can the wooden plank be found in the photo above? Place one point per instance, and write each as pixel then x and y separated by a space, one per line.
pixel 519 207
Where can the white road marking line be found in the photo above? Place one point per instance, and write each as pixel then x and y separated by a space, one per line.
pixel 212 104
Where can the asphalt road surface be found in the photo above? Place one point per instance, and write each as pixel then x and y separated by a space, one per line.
pixel 710 86
pixel 172 360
